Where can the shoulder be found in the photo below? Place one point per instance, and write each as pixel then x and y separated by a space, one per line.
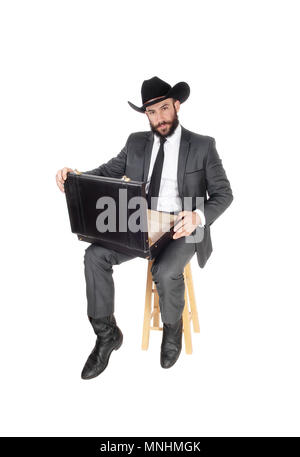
pixel 204 144
pixel 138 139
pixel 140 135
pixel 199 139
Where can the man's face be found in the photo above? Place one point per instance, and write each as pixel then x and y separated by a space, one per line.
pixel 163 117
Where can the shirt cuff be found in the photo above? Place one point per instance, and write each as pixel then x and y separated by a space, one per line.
pixel 202 217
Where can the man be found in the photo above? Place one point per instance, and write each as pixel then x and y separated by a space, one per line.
pixel 175 163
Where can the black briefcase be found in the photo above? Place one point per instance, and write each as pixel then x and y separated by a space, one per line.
pixel 89 196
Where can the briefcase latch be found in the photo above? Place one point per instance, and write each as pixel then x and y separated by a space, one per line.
pixel 125 178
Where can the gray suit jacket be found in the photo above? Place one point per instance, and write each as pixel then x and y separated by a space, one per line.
pixel 200 172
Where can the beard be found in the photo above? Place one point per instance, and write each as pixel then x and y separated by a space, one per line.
pixel 173 124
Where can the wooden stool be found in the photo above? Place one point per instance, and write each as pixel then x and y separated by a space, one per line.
pixel 189 311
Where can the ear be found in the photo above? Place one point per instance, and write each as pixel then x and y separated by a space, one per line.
pixel 177 105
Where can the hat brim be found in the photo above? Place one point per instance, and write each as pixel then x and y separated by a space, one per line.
pixel 180 91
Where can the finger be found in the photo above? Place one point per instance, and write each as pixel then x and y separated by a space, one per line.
pixel 59 175
pixel 180 215
pixel 182 227
pixel 178 235
pixel 179 224
pixel 185 230
pixel 64 173
pixel 61 187
pixel 59 182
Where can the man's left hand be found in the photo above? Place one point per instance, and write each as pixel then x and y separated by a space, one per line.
pixel 190 220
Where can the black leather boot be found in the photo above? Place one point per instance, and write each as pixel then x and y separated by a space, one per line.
pixel 109 337
pixel 171 344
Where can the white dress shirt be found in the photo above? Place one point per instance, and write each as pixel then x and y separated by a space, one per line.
pixel 168 198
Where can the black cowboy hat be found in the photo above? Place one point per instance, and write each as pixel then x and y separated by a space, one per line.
pixel 156 87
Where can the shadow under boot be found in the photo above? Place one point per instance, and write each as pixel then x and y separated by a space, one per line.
pixel 171 343
pixel 109 337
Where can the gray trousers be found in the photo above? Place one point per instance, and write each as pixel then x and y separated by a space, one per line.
pixel 167 273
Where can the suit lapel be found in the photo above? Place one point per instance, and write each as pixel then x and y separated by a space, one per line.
pixel 182 157
pixel 147 154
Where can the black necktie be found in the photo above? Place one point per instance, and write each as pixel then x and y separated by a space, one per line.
pixel 153 190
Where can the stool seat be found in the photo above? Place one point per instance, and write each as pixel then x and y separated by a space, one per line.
pixel 152 310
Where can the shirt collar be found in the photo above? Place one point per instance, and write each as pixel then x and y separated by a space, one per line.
pixel 172 138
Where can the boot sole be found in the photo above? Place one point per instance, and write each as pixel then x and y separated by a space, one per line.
pixel 113 349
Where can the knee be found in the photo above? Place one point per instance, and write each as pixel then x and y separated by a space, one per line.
pixel 96 254
pixel 165 275
pixel 89 253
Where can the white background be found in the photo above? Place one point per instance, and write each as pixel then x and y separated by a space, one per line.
pixel 67 71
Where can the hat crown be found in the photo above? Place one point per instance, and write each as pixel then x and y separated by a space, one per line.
pixel 153 88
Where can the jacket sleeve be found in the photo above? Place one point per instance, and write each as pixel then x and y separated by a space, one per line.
pixel 115 167
pixel 217 185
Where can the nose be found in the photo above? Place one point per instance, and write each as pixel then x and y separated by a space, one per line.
pixel 159 118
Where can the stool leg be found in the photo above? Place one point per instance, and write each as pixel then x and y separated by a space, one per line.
pixel 156 310
pixel 147 312
pixel 187 326
pixel 191 293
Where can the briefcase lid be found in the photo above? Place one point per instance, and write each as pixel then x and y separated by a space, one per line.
pixel 86 196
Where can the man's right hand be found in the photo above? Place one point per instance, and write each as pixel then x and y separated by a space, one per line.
pixel 61 176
